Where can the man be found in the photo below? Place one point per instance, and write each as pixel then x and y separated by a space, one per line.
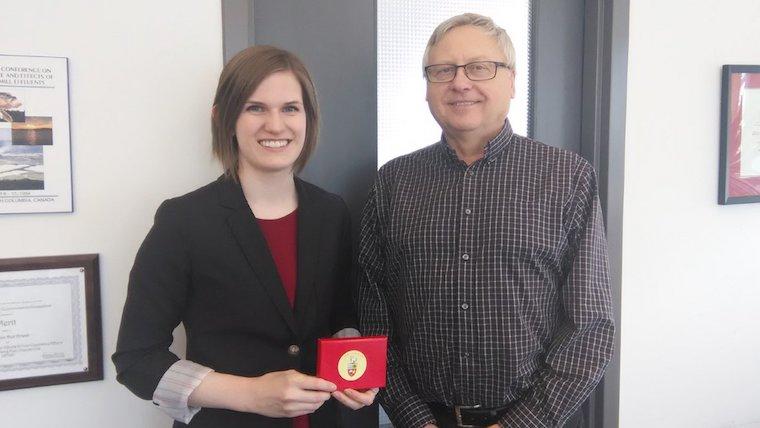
pixel 483 256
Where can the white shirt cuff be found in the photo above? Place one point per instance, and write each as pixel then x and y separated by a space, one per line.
pixel 175 387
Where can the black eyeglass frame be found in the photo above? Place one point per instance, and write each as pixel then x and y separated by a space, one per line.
pixel 497 64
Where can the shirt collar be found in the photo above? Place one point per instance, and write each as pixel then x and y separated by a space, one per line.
pixel 492 149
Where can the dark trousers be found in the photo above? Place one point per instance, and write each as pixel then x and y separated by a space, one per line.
pixel 366 417
pixel 447 421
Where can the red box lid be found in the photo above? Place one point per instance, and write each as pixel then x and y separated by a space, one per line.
pixel 355 362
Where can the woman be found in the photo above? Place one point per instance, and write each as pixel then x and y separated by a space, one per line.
pixel 256 265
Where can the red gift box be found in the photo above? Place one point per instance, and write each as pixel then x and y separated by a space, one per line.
pixel 356 362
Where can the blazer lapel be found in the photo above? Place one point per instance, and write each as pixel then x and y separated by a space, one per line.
pixel 252 243
pixel 309 228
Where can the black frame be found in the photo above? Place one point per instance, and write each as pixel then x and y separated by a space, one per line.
pixel 724 197
pixel 88 262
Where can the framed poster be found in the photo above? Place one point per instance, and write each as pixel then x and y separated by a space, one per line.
pixel 35 147
pixel 50 324
pixel 739 179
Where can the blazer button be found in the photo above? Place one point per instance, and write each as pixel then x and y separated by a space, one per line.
pixel 293 350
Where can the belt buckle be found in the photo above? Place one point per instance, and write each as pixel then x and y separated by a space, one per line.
pixel 458 414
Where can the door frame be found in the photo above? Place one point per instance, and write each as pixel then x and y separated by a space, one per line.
pixel 601 139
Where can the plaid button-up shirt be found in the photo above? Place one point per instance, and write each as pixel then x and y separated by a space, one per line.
pixel 491 281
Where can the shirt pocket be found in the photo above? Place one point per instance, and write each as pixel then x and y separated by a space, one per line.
pixel 427 224
pixel 532 233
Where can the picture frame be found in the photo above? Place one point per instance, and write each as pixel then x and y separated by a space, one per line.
pixel 50 321
pixel 739 172
pixel 35 135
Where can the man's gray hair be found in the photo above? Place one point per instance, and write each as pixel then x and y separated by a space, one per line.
pixel 484 23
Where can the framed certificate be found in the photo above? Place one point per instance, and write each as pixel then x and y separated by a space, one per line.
pixel 739 179
pixel 50 326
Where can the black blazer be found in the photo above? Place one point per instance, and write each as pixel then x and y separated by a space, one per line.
pixel 205 263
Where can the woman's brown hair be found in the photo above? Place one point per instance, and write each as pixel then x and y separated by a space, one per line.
pixel 239 79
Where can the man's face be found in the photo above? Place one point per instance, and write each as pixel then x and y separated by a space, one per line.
pixel 463 108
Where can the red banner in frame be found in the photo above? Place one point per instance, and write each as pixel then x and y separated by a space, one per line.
pixel 739 180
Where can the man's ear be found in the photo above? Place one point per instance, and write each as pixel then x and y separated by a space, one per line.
pixel 512 82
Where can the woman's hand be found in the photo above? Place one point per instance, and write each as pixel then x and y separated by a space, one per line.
pixel 354 399
pixel 288 394
pixel 283 394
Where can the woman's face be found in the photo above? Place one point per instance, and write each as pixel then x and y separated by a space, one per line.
pixel 272 126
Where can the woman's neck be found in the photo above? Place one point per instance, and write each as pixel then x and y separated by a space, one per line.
pixel 270 195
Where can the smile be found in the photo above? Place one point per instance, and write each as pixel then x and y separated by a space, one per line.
pixel 274 144
pixel 463 103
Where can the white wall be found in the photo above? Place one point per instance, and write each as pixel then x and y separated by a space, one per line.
pixel 142 78
pixel 690 328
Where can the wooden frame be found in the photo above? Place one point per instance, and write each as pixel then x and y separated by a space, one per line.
pixel 50 321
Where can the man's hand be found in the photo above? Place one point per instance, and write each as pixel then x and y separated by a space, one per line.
pixel 287 394
pixel 354 399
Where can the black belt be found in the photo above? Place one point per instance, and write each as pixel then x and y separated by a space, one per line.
pixel 469 416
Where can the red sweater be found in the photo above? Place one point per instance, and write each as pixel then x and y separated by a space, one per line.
pixel 282 239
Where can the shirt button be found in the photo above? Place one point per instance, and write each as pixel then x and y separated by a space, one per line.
pixel 465 257
pixel 465 306
pixel 470 173
pixel 466 355
pixel 293 350
pixel 468 211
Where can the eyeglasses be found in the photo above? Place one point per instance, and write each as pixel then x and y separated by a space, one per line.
pixel 478 70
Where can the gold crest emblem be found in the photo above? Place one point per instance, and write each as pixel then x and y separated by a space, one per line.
pixel 352 365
